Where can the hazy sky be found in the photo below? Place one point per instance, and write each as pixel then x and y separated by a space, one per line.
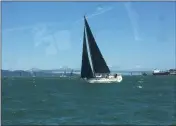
pixel 48 35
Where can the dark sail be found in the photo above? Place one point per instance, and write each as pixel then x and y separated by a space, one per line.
pixel 86 71
pixel 98 62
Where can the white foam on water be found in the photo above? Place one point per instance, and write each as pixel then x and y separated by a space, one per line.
pixel 139 86
pixel 140 81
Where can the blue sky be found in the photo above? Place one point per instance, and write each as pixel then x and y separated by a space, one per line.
pixel 48 35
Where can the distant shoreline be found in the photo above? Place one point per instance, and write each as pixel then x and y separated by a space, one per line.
pixel 60 72
pixel 57 70
pixel 57 73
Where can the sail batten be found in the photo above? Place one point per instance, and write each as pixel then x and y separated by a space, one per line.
pixel 98 63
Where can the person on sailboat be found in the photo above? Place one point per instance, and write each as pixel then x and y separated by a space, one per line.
pixel 107 75
pixel 115 75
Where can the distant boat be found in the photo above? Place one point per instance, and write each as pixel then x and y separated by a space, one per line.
pixel 94 68
pixel 158 72
pixel 144 74
pixel 172 71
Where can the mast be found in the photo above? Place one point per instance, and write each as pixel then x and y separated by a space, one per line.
pixel 86 71
pixel 98 63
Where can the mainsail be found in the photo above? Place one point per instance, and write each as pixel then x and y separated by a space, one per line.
pixel 98 63
pixel 86 71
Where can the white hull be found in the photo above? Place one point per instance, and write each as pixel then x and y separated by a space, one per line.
pixel 118 79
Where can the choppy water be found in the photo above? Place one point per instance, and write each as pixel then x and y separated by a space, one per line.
pixel 137 100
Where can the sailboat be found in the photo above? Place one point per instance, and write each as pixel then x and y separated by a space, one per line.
pixel 94 68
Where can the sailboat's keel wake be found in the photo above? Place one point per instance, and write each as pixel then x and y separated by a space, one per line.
pixel 118 79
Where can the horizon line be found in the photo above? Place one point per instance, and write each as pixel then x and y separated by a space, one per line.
pixel 78 70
